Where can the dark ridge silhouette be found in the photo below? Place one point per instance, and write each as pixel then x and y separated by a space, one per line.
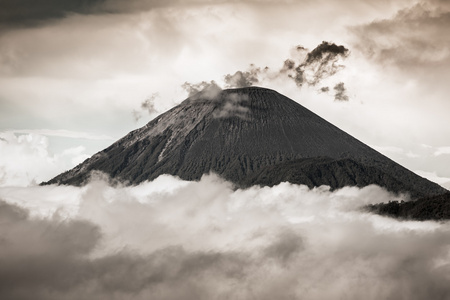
pixel 248 136
pixel 428 208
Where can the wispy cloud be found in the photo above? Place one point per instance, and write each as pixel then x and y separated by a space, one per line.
pixel 147 106
pixel 242 78
pixel 304 68
pixel 442 151
pixel 320 63
pixel 340 92
pixel 433 177
pixel 62 133
pixel 211 88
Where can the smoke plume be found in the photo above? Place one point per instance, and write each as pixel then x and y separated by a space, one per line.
pixel 242 79
pixel 148 106
pixel 232 106
pixel 320 63
pixel 210 88
pixel 340 92
pixel 303 67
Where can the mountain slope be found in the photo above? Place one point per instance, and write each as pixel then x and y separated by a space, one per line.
pixel 428 208
pixel 242 134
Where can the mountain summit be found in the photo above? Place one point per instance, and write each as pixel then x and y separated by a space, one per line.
pixel 248 136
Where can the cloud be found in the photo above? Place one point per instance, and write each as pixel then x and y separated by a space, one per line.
pixel 326 53
pixel 420 157
pixel 39 254
pixel 49 259
pixel 233 105
pixel 61 133
pixel 340 92
pixel 442 151
pixel 443 181
pixel 26 159
pixel 211 89
pixel 171 239
pixel 303 67
pixel 324 89
pixel 32 13
pixel 318 64
pixel 148 106
pixel 242 79
pixel 393 42
pixel 289 65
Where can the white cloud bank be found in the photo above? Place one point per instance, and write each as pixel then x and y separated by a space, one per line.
pixel 171 239
pixel 26 159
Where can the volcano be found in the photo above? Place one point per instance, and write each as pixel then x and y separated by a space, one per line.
pixel 249 136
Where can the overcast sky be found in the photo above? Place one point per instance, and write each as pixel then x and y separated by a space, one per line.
pixel 77 75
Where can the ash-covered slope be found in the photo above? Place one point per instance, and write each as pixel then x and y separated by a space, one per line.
pixel 248 136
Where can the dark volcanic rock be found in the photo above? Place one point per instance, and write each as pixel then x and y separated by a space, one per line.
pixel 428 208
pixel 248 136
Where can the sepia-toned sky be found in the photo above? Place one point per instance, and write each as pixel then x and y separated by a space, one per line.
pixel 77 75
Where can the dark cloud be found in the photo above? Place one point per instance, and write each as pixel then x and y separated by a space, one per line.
pixel 325 53
pixel 298 53
pixel 39 254
pixel 324 89
pixel 303 67
pixel 413 38
pixel 49 259
pixel 25 13
pixel 320 63
pixel 15 13
pixel 300 48
pixel 288 65
pixel 340 92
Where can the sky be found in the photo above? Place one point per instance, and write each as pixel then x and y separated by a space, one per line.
pixel 77 75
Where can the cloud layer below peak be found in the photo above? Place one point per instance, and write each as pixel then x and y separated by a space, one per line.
pixel 171 239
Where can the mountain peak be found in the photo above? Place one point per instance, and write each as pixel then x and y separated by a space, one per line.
pixel 248 136
pixel 231 102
